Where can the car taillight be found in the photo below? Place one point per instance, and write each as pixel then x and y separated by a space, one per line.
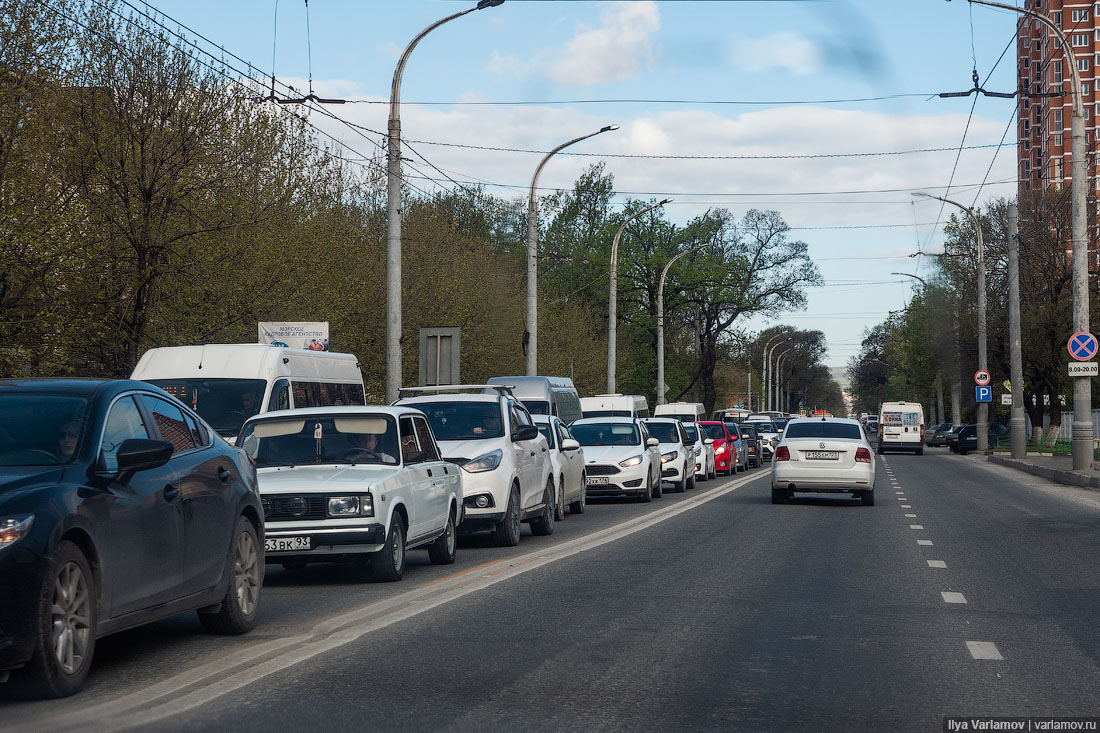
pixel 863 455
pixel 782 454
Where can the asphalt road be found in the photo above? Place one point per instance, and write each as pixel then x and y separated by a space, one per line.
pixel 707 610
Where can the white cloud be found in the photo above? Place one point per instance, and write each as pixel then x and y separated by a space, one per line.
pixel 783 51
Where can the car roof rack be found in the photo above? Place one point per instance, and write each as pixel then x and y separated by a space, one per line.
pixel 501 389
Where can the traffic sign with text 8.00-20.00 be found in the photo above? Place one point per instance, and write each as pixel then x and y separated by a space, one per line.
pixel 982 377
pixel 1082 346
pixel 1083 369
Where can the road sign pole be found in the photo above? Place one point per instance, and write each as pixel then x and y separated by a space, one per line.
pixel 1016 424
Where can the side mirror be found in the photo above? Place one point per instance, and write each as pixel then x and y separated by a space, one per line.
pixel 139 454
pixel 525 432
pixel 570 444
pixel 708 441
pixel 652 443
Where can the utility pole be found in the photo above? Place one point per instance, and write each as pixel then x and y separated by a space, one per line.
pixel 1016 422
pixel 661 388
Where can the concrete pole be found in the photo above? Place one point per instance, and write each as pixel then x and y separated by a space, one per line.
pixel 777 404
pixel 661 331
pixel 1082 386
pixel 393 209
pixel 769 376
pixel 1016 422
pixel 765 382
pixel 612 298
pixel 532 255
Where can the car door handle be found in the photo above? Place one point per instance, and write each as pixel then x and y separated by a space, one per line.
pixel 438 482
pixel 543 450
pixel 224 475
pixel 171 491
pixel 430 473
pixel 532 452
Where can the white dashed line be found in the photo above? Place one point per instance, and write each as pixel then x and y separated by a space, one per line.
pixel 916 526
pixel 937 564
pixel 899 492
pixel 911 516
pixel 984 650
pixel 951 597
pixel 925 543
pixel 906 506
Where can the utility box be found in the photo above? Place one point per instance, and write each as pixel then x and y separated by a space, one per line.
pixel 440 351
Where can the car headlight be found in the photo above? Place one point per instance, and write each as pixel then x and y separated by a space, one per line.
pixel 632 461
pixel 720 449
pixel 351 506
pixel 666 457
pixel 13 529
pixel 487 462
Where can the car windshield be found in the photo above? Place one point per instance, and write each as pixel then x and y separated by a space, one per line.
pixel 664 432
pixel 40 429
pixel 692 431
pixel 779 424
pixel 823 429
pixel 312 439
pixel 764 427
pixel 606 434
pixel 748 432
pixel 224 403
pixel 715 432
pixel 608 413
pixel 537 407
pixel 734 431
pixel 463 420
pixel 547 430
pixel 682 417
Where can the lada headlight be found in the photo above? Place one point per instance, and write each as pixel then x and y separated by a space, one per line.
pixel 351 506
pixel 13 529
pixel 487 462
pixel 632 461
pixel 670 456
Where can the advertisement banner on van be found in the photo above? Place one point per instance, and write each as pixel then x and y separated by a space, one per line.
pixel 300 335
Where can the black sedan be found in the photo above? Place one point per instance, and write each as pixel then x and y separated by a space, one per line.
pixel 118 506
pixel 966 437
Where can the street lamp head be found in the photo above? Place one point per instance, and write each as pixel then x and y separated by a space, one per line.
pixel 609 128
pixel 482 4
pixel 922 194
pixel 666 201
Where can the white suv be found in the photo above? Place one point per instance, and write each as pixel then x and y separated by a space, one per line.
pixel 504 458
pixel 620 457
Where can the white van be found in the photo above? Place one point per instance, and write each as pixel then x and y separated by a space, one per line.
pixel 682 411
pixel 545 395
pixel 615 405
pixel 228 383
pixel 901 427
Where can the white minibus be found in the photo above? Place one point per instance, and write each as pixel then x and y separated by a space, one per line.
pixel 682 411
pixel 545 395
pixel 615 405
pixel 901 427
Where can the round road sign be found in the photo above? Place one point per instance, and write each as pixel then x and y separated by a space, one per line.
pixel 982 378
pixel 1082 346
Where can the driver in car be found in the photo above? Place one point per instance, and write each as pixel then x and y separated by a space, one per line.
pixel 365 446
pixel 66 441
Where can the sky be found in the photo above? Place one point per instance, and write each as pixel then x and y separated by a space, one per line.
pixel 749 88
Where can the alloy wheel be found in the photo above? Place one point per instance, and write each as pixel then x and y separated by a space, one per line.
pixel 71 612
pixel 246 574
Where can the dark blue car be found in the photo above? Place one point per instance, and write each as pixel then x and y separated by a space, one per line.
pixel 118 506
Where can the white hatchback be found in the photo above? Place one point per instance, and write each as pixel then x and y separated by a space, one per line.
pixel 567 460
pixel 828 454
pixel 620 457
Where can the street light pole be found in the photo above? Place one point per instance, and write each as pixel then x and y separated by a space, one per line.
pixel 661 330
pixel 770 386
pixel 983 407
pixel 393 209
pixel 1082 386
pixel 932 402
pixel 764 383
pixel 612 297
pixel 1016 423
pixel 779 378
pixel 532 255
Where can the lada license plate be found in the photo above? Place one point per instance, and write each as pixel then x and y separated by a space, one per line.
pixel 597 480
pixel 822 455
pixel 286 544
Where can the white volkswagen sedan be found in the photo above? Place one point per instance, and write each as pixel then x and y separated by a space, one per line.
pixel 353 483
pixel 567 460
pixel 620 457
pixel 824 455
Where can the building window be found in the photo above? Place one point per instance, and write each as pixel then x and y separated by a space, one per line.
pixel 1056 16
pixel 1056 71
pixel 1086 89
pixel 1058 169
pixel 1082 64
pixel 1080 40
pixel 1057 125
pixel 1079 16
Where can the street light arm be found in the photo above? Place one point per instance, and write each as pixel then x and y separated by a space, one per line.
pixel 395 88
pixel 969 212
pixel 915 277
pixel 542 163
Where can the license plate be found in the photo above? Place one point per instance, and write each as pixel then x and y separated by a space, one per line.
pixel 597 480
pixel 822 455
pixel 286 544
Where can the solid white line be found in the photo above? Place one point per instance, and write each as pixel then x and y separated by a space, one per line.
pixel 916 526
pixel 984 650
pixel 952 597
pixel 937 564
pixel 926 543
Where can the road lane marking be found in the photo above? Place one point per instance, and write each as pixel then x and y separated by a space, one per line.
pixel 925 543
pixel 937 564
pixel 899 492
pixel 906 506
pixel 952 597
pixel 911 516
pixel 916 526
pixel 237 669
pixel 984 650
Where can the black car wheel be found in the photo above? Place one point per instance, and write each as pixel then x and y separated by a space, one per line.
pixel 445 548
pixel 543 525
pixel 506 534
pixel 388 564
pixel 237 612
pixel 65 626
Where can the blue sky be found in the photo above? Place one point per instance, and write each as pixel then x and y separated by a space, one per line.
pixel 543 52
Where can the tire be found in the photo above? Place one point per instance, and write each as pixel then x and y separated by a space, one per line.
pixel 543 526
pixel 245 567
pixel 680 486
pixel 868 498
pixel 506 534
pixel 388 564
pixel 445 548
pixel 880 451
pixel 559 505
pixel 779 496
pixel 69 591
pixel 578 506
pixel 659 488
pixel 713 472
pixel 920 451
pixel 692 484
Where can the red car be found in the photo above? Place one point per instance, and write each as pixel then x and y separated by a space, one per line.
pixel 725 450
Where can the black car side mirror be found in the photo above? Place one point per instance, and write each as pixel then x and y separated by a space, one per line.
pixel 139 454
pixel 525 432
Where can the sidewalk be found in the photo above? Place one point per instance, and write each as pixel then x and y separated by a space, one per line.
pixel 1055 468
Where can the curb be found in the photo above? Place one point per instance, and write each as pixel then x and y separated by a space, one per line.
pixel 1070 478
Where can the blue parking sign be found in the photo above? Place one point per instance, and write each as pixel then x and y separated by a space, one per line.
pixel 983 394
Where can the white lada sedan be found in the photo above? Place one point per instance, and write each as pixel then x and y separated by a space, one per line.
pixel 824 455
pixel 353 483
pixel 620 457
